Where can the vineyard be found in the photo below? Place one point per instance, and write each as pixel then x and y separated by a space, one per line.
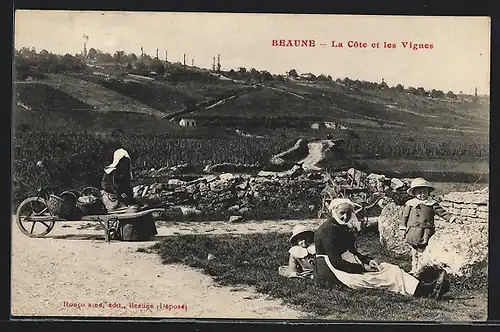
pixel 74 160
pixel 44 97
pixel 168 97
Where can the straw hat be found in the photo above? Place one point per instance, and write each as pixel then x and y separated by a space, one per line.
pixel 299 229
pixel 419 183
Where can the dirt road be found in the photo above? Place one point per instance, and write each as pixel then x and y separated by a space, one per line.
pixel 75 265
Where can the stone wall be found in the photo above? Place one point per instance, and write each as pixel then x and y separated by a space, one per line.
pixel 252 197
pixel 460 247
pixel 290 194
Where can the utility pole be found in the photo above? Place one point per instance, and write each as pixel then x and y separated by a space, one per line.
pixel 157 53
pixel 218 63
pixel 184 59
pixel 142 54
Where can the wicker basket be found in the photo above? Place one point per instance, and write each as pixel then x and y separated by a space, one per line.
pixel 90 205
pixel 59 206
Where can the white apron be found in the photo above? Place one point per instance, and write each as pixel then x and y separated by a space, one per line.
pixel 390 277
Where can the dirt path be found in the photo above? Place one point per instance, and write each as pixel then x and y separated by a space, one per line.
pixel 74 264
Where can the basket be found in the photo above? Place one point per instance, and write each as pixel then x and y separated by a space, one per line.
pixel 59 206
pixel 90 204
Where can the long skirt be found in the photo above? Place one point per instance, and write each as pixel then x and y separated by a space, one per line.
pixel 389 277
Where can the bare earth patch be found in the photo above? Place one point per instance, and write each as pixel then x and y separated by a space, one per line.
pixel 77 266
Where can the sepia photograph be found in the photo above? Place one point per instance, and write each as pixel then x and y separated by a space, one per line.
pixel 192 165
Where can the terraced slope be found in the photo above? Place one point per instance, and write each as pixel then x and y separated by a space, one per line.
pixel 101 99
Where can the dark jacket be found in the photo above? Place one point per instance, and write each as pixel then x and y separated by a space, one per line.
pixel 332 239
pixel 418 220
pixel 115 184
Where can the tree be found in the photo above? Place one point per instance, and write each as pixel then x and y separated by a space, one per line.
pixel 383 85
pixel 242 71
pixel 436 93
pixel 293 73
pixel 131 57
pixel 140 66
pixel 119 57
pixel 266 76
pixel 412 90
pixel 450 94
pixel 421 91
pixel 92 54
pixel 157 66
pixel 357 84
pixel 400 88
pixel 322 77
pixel 106 58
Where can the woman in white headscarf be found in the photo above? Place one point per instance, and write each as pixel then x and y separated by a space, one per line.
pixel 116 188
pixel 338 260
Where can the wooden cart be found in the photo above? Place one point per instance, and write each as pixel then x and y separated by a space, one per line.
pixel 34 211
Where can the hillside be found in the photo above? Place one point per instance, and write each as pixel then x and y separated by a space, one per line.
pixel 323 101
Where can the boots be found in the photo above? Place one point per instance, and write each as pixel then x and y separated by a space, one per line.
pixel 434 289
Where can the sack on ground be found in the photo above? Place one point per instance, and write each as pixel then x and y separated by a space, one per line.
pixel 137 229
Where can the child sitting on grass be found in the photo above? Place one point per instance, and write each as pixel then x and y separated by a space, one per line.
pixel 418 219
pixel 302 254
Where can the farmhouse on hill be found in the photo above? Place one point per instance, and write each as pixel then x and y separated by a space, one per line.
pixel 185 122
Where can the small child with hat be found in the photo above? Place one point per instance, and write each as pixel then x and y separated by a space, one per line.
pixel 302 254
pixel 418 219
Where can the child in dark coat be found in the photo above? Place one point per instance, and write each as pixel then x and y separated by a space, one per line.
pixel 418 219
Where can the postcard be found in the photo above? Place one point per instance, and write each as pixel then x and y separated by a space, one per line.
pixel 250 166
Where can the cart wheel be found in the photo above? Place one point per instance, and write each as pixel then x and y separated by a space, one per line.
pixel 91 191
pixel 26 215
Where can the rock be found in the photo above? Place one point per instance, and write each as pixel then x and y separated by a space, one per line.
pixel 234 208
pixel 245 211
pixel 396 184
pixel 388 226
pixel 210 257
pixel 175 183
pixel 236 219
pixel 294 171
pixel 482 208
pixel 172 213
pixel 190 211
pixel 242 186
pixel 226 176
pixel 232 168
pixel 462 250
pixel 467 197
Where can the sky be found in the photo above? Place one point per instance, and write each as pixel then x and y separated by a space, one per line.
pixel 458 61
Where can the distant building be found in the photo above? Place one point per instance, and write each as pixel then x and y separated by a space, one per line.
pixel 187 123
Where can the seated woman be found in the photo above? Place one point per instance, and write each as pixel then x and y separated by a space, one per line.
pixel 338 260
pixel 117 195
pixel 302 254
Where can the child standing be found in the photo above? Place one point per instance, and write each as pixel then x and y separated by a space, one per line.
pixel 418 219
pixel 302 254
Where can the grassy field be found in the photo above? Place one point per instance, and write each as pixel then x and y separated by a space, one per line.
pixel 253 260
